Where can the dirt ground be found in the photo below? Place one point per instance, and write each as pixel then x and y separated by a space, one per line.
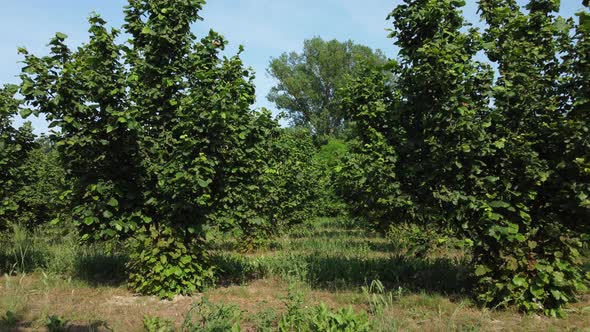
pixel 33 298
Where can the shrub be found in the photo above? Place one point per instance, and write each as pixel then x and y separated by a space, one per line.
pixel 42 181
pixel 288 188
pixel 329 159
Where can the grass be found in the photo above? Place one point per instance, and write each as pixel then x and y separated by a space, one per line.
pixel 307 277
pixel 62 254
pixel 335 258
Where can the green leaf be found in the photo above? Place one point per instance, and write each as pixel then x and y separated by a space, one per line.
pixel 556 294
pixel 25 113
pixel 481 270
pixel 113 202
pixel 186 259
pixel 520 281
pixel 538 292
pixel 584 21
pixel 499 204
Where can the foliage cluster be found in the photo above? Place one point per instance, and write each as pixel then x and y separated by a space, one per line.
pixel 296 186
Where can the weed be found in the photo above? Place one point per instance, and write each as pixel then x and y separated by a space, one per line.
pixel 157 324
pixel 294 318
pixel 345 320
pixel 21 247
pixel 208 317
pixel 16 298
pixel 56 324
pixel 9 319
pixel 319 318
pixel 378 299
pixel 265 320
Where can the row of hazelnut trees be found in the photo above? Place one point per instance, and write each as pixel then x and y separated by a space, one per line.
pixel 159 143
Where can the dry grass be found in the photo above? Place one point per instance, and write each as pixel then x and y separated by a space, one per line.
pixel 116 309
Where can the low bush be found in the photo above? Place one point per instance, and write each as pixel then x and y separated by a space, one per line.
pixel 157 324
pixel 205 316
pixel 319 318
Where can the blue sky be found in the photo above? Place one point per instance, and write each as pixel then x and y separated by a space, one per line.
pixel 266 28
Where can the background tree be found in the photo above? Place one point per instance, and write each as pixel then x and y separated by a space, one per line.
pixel 367 180
pixel 308 82
pixel 42 182
pixel 15 144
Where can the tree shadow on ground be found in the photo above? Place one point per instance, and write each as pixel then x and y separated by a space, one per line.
pixel 17 327
pixel 333 272
pixel 440 275
pixel 384 246
pixel 102 269
pixel 97 326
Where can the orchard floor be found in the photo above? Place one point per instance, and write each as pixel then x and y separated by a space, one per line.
pixel 331 264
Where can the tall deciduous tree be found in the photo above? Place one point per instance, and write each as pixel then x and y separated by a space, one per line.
pixel 307 82
pixel 539 121
pixel 504 164
pixel 157 133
